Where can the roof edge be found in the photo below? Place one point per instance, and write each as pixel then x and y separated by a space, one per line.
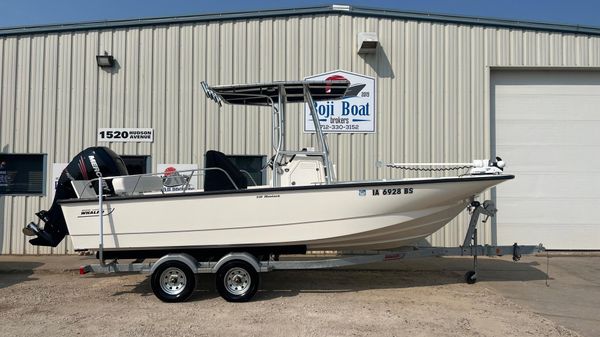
pixel 330 9
pixel 479 21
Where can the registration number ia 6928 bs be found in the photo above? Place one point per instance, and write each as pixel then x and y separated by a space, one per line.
pixel 393 191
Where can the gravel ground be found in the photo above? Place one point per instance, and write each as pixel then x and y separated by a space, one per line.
pixel 290 303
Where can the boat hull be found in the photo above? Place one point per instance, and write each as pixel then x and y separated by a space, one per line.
pixel 372 215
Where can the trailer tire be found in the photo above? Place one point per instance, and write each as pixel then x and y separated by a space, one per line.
pixel 237 281
pixel 173 281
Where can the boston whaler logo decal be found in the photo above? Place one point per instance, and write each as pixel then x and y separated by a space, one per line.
pixel 88 212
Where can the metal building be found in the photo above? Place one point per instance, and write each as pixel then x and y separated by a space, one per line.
pixel 449 89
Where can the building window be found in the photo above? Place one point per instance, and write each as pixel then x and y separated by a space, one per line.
pixel 137 164
pixel 22 174
pixel 253 165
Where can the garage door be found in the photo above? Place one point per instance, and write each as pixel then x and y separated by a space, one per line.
pixel 548 130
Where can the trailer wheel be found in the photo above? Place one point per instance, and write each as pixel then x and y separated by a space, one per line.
pixel 470 277
pixel 237 281
pixel 173 281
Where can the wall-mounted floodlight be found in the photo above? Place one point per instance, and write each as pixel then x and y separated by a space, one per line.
pixel 105 61
pixel 367 43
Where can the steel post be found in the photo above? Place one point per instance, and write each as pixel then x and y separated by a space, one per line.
pixel 100 211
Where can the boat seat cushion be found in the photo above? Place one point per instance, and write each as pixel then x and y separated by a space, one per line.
pixel 219 167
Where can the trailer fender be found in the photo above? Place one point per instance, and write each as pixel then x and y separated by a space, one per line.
pixel 238 256
pixel 181 257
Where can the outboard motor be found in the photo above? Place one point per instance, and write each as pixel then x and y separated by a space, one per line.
pixel 90 163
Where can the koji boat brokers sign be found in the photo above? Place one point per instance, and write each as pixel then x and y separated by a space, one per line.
pixel 355 113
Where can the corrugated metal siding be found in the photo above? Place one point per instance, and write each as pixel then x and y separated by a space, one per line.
pixel 432 92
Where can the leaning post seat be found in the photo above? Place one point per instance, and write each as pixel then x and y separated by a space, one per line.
pixel 217 180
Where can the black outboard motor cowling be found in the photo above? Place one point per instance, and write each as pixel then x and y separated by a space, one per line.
pixel 90 163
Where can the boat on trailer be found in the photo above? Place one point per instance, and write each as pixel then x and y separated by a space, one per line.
pixel 303 208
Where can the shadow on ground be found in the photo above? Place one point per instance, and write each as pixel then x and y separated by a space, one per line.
pixel 389 275
pixel 393 275
pixel 12 273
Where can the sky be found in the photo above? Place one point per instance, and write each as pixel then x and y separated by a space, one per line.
pixel 15 13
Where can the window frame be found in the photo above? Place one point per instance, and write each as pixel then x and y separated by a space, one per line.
pixel 44 187
pixel 148 161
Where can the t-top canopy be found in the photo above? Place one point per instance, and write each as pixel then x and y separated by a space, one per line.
pixel 268 93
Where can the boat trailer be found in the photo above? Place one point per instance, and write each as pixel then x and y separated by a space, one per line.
pixel 237 273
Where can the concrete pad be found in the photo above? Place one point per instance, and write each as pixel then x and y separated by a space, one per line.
pixel 572 297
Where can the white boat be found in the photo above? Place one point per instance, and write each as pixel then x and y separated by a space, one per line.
pixel 303 207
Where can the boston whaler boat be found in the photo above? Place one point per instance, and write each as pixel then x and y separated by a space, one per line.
pixel 241 228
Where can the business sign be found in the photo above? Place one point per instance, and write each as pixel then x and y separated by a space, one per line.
pixel 355 113
pixel 131 135
pixel 176 177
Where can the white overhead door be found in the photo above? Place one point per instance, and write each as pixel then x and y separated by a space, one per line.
pixel 548 131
